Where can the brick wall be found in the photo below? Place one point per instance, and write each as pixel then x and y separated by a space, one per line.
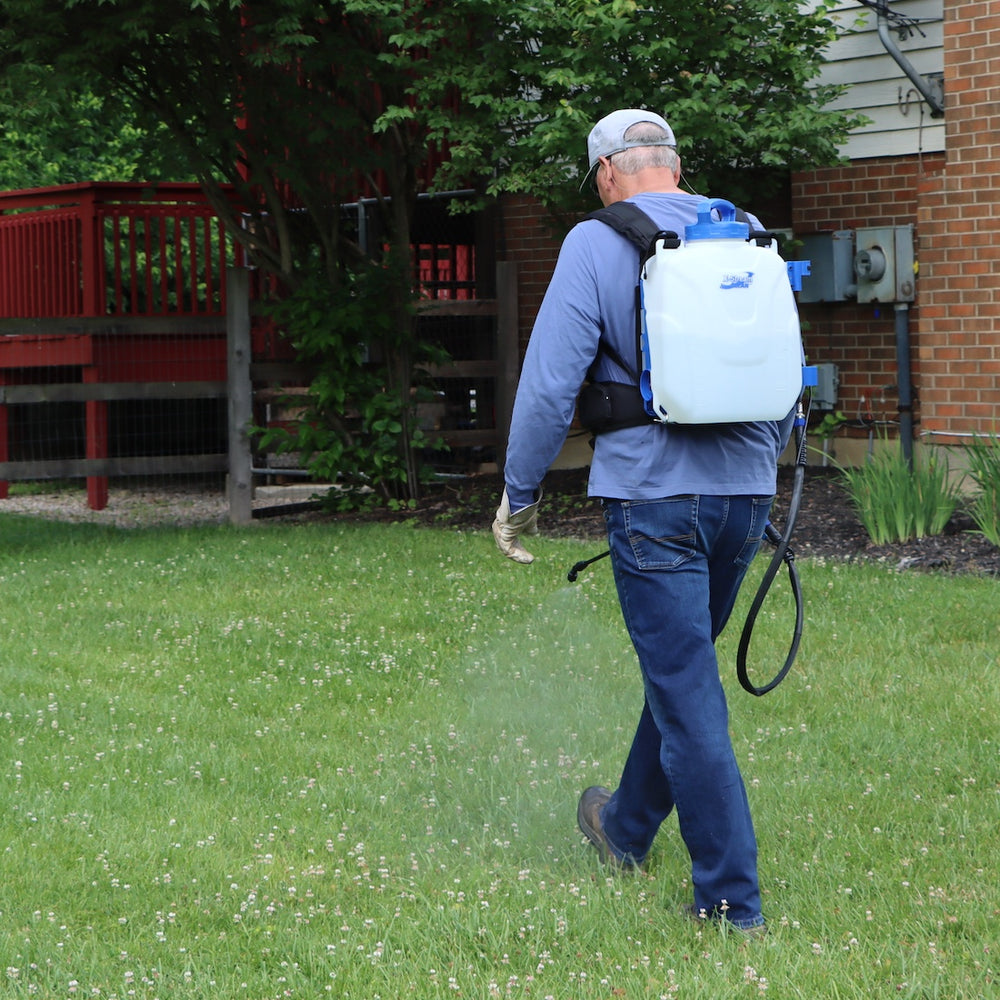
pixel 528 238
pixel 860 340
pixel 959 217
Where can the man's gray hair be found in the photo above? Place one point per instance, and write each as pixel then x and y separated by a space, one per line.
pixel 631 161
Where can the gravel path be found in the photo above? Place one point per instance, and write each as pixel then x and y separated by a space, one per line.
pixel 148 506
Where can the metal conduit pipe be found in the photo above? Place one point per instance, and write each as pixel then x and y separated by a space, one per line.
pixel 926 91
pixel 905 380
pixel 954 434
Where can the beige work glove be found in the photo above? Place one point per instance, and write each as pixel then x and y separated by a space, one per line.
pixel 508 528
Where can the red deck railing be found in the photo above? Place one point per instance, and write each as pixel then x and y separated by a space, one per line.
pixel 112 250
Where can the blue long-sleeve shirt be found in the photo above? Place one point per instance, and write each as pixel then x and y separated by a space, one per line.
pixel 592 291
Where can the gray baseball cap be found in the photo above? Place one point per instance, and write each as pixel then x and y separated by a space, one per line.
pixel 607 137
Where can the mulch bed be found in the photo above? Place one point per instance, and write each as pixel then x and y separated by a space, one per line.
pixel 826 525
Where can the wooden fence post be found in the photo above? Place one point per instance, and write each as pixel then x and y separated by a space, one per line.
pixel 239 485
pixel 96 419
pixel 4 443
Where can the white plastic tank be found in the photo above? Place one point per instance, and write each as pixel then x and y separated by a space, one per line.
pixel 720 329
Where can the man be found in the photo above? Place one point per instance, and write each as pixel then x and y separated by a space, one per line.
pixel 685 507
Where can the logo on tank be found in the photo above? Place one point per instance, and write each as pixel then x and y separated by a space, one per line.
pixel 741 279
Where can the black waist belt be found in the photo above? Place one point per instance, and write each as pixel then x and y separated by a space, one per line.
pixel 611 406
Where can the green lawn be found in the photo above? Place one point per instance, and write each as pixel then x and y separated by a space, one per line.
pixel 340 760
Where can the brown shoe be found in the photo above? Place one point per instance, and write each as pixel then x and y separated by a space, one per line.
pixel 588 816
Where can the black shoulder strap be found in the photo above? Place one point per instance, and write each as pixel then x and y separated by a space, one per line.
pixel 639 229
pixel 761 237
pixel 632 222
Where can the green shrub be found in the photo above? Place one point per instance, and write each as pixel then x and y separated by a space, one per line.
pixel 984 469
pixel 896 503
pixel 358 425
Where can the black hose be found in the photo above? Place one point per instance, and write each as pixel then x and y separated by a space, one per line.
pixel 782 553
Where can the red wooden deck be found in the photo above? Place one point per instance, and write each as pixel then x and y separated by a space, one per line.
pixel 111 252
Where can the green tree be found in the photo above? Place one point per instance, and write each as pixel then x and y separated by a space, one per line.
pixel 56 135
pixel 303 105
pixel 735 80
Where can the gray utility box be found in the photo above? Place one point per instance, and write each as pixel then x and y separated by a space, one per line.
pixel 824 392
pixel 831 278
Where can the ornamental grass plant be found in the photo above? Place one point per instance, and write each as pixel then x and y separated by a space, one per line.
pixel 896 502
pixel 332 760
pixel 983 456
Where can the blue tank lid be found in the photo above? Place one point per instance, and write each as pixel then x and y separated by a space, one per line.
pixel 724 228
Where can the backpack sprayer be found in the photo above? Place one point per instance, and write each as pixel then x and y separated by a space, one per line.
pixel 735 356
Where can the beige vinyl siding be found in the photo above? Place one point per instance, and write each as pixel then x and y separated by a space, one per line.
pixel 901 120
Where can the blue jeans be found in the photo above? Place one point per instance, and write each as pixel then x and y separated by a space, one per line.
pixel 678 565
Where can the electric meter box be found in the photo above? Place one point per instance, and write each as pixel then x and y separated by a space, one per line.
pixel 831 278
pixel 884 264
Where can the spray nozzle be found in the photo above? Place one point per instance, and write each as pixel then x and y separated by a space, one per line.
pixel 583 564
